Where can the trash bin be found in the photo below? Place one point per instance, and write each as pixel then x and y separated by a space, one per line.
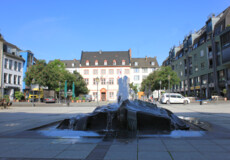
pixel 201 102
pixel 67 103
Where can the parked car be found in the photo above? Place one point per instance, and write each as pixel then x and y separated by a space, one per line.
pixel 88 98
pixel 174 98
pixel 50 99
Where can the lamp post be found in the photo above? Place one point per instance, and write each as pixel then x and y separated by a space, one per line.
pixel 33 81
pixel 97 81
pixel 59 92
pixel 159 93
pixel 169 86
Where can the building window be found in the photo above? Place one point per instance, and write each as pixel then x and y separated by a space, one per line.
pixel 153 69
pixel 19 67
pixel 111 81
pixel 136 78
pixel 144 77
pixel 111 95
pixel 5 77
pixel 15 79
pixel 95 71
pixel 195 56
pixel 119 71
pixel 126 71
pixel 181 73
pixel 94 81
pixel 105 62
pixel 114 62
pixel 144 70
pixel 10 77
pixel 103 82
pixel 86 80
pixel 136 63
pixel 6 63
pixel 123 62
pixel 152 63
pixel 72 64
pixel 111 71
pixel 87 62
pixel 15 66
pixel 103 71
pixel 10 64
pixel 202 53
pixel 86 71
pixel 136 70
pixel 96 62
pixel 19 80
pixel 202 65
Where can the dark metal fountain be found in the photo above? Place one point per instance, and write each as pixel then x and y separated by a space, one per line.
pixel 126 115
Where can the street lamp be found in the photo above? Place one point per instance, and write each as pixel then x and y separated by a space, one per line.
pixel 97 81
pixel 33 81
pixel 59 92
pixel 159 91
pixel 169 86
pixel 108 90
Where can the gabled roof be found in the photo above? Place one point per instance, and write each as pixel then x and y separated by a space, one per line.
pixel 100 56
pixel 68 63
pixel 145 62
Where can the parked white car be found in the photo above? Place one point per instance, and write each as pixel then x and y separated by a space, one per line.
pixel 174 98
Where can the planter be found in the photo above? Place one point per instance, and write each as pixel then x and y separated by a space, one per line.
pixel 83 100
pixel 72 101
pixel 225 98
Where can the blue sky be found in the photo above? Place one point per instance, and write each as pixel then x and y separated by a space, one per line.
pixel 61 29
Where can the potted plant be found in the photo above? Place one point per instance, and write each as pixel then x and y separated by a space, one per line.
pixel 72 99
pixel 77 99
pixel 19 95
pixel 83 99
pixel 225 93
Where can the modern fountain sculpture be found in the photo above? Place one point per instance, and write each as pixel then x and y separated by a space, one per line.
pixel 126 115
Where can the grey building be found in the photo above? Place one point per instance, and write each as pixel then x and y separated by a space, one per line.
pixel 202 62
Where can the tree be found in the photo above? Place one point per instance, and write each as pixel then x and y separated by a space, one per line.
pixel 133 87
pixel 36 72
pixel 153 80
pixel 51 74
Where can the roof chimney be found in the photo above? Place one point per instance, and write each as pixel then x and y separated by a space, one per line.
pixel 145 58
pixel 100 51
pixel 130 53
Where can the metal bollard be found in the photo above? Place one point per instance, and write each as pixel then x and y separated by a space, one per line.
pixel 201 102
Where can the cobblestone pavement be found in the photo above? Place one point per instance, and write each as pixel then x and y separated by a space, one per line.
pixel 17 141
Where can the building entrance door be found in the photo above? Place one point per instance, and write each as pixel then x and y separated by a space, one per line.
pixel 103 94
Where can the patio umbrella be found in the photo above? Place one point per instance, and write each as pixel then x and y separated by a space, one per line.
pixel 65 89
pixel 73 90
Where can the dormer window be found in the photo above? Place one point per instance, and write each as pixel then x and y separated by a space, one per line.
pixel 96 62
pixel 105 62
pixel 123 62
pixel 87 62
pixel 152 63
pixel 114 62
pixel 136 63
pixel 72 64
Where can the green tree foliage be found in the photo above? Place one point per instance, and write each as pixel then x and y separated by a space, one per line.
pixel 19 95
pixel 52 73
pixel 133 87
pixel 153 80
